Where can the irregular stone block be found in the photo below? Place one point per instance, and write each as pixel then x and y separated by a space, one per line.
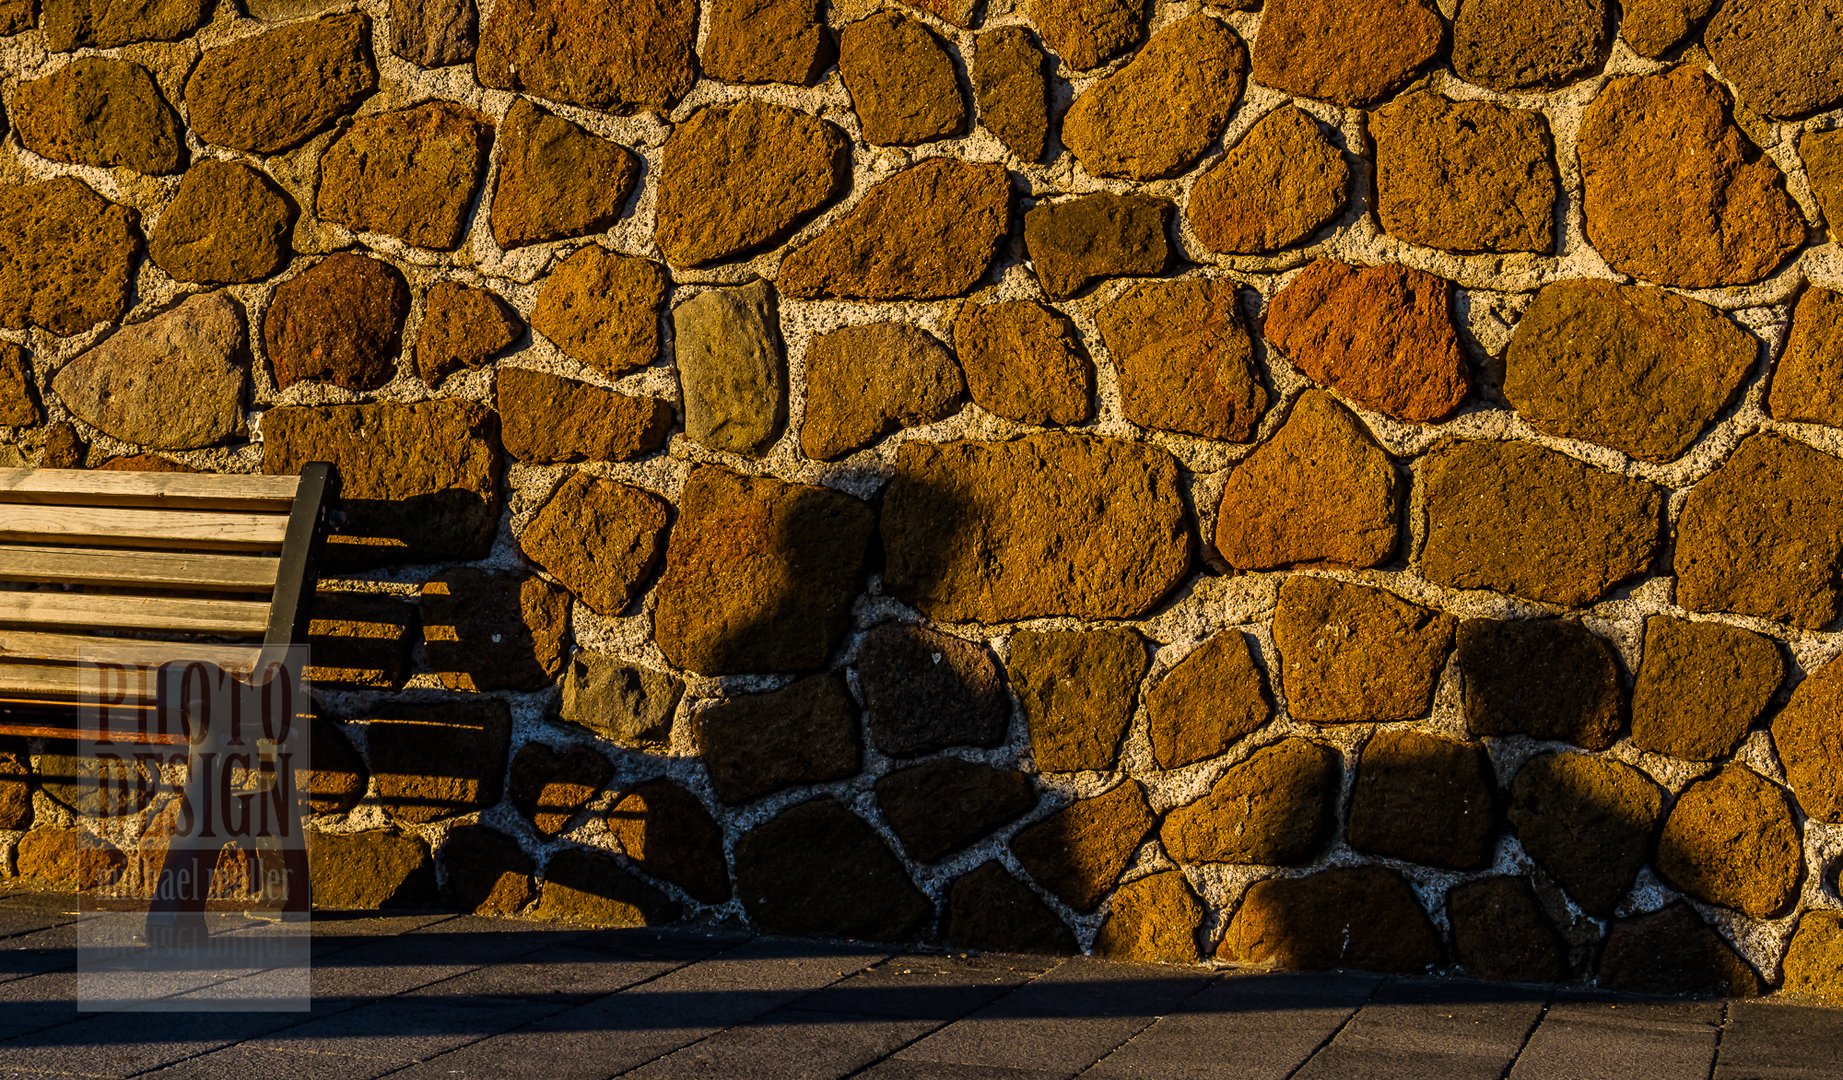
pixel 485 871
pixel 1076 242
pixel 617 59
pixel 1512 45
pixel 1354 654
pixel 1822 153
pixel 1810 743
pixel 865 381
pixel 1672 951
pixel 434 761
pixel 758 744
pixel 18 400
pixel 556 180
pixel 1366 918
pixel 551 787
pixel 1088 33
pixel 1785 57
pixel 1654 27
pixel 69 859
pixel 942 806
pixel 1078 852
pixel 1275 188
pixel 927 691
pixel 99 112
pixel 1155 116
pixel 766 41
pixel 1153 920
pixel 1588 821
pixel 1545 678
pixel 990 910
pixel 1011 90
pixel 1184 359
pixel 1209 701
pixel 587 888
pixel 174 382
pixel 1025 362
pixel 902 81
pixel 66 256
pixel 601 308
pixel 364 871
pixel 1813 965
pixel 434 33
pixel 1077 689
pixel 1700 686
pixel 667 832
pixel 628 705
pixel 1501 933
pixel 545 419
pixel 360 640
pixel 1464 176
pixel 1730 839
pixel 819 869
pixel 1808 382
pixel 227 224
pixel 601 540
pixel 462 327
pixel 105 24
pixel 410 173
pixel 338 321
pixel 1304 47
pixel 731 369
pixel 490 630
pixel 276 90
pixel 1277 808
pixel 1425 799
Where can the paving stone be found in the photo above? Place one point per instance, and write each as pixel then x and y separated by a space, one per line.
pixel 667 832
pixel 66 256
pixel 485 871
pixel 1465 176
pixel 364 871
pixel 1275 188
pixel 990 532
pixel 1810 371
pixel 758 744
pixel 1731 840
pixel 1304 47
pixel 1723 218
pixel 731 370
pixel 18 400
pixel 174 382
pixel 1152 920
pixel 1160 112
pixel 1813 965
pixel 1549 679
pixel 927 233
pixel 600 58
pixel 940 807
pixel 99 112
pixel 339 321
pixel 68 859
pixel 1510 46
pixel 588 888
pixel 1024 361
pixel 434 33
pixel 1530 521
pixel 545 419
pixel 1077 689
pixel 463 327
pixel 736 179
pixel 339 777
pixel 227 224
pixel 1700 686
pixel 1381 335
pixel 1500 932
pixel 1076 242
pixel 71 24
pixel 990 910
pixel 866 381
pixel 1277 808
pixel 410 173
pixel 766 41
pixel 901 79
pixel 820 869
pixel 601 308
pixel 1355 654
pixel 1763 535
pixel 926 691
pixel 1654 27
pixel 1209 701
pixel 1784 58
pixel 1672 951
pixel 434 761
pixel 556 180
pixel 601 540
pixel 759 574
pixel 1319 491
pixel 1365 918
pixel 1185 359
pixel 1588 821
pixel 1012 90
pixel 629 705
pixel 1811 746
pixel 274 91
pixel 1425 799
pixel 1078 852
pixel 550 787
pixel 1088 33
pixel 489 630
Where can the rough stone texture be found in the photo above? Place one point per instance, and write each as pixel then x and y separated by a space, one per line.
pixel 556 180
pixel 227 224
pixel 758 744
pixel 545 419
pixel 411 173
pixel 1078 852
pixel 71 859
pixel 462 327
pixel 1280 184
pixel 1366 918
pixel 1672 951
pixel 1213 698
pixel 434 761
pixel 1153 920
pixel 1278 808
pixel 618 59
pixel 901 80
pixel 1304 47
pixel 1464 176
pixel 1088 33
pixel 339 321
pixel 766 41
pixel 1527 520
pixel 486 871
pixel 491 630
pixel 274 91
pixel 1381 335
pixel 1808 384
pixel 15 787
pixel 1654 27
pixel 360 640
pixel 1046 525
pixel 1785 57
pixel 588 888
pixel 1426 799
pixel 17 16
pixel 1822 155
pixel 1700 686
pixel 1514 45
pixel 1723 216
pixel 419 482
pixel 339 777
pixel 1810 743
pixel 735 179
pixel 865 381
pixel 667 832
pixel 731 369
pixel 363 871
pixel 18 403
pixel 1355 654
pixel 1321 491
pixel 1077 689
pixel 820 869
pixel 927 233
pixel 1763 535
pixel 66 256
pixel 1184 359
pixel 991 910
pixel 1163 110
pixel 1025 362
pixel 1814 958
pixel 601 540
pixel 99 112
pixel 1731 840
pixel 106 24
pixel 1638 369
pixel 434 33
pixel 550 787
pixel 1546 678
pixel 174 382
pixel 1500 932
pixel 602 309
pixel 1011 90
pixel 629 705
pixel 1077 242
pixel 1588 821
pixel 941 806
pixel 926 691
pixel 95 786
pixel 759 574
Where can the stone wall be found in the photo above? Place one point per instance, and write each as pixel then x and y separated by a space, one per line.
pixel 1307 484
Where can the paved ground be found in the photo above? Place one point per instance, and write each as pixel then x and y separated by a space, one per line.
pixel 437 996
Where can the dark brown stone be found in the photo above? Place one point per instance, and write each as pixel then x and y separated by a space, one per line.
pixel 71 860
pixel 364 871
pixel 901 80
pixel 926 691
pixel 1209 701
pixel 545 419
pixel 819 869
pixel 1654 27
pixel 66 256
pixel 1700 686
pixel 1280 184
pixel 339 777
pixel 1277 808
pixel 732 373
pixel 95 785
pixel 1465 176
pixel 550 787
pixel 360 640
pixel 1672 951
pixel 462 327
pixel 1785 57
pixel 618 59
pixel 1079 241
pixel 338 321
pixel 1588 821
pixel 434 761
pixel 628 705
pixel 434 33
pixel 601 308
pixel 1822 154
pixel 1155 116
pixel 667 832
pixel 766 41
pixel 942 806
pixel 15 787
pixel 227 224
pixel 1304 47
pixel 758 744
pixel 1813 965
pixel 1808 383
pixel 588 888
pixel 1500 932
pixel 1355 654
pixel 1077 689
pixel 17 16
pixel 1153 920
pixel 1025 362
pixel 1810 743
pixel 1546 678
pixel 486 872
pixel 174 382
pixel 989 909
pixel 1184 359
pixel 274 91
pixel 1088 33
pixel 99 112
pixel 1366 918
pixel 1012 91
pixel 556 180
pixel 18 400
pixel 492 630
pixel 865 381
pixel 1426 799
pixel 1515 45
pixel 1078 852
pixel 410 173
pixel 1731 840
pixel 601 540
pixel 106 24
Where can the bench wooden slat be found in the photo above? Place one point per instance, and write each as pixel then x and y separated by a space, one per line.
pixel 77 487
pixel 22 645
pixel 70 682
pixel 120 528
pixel 228 618
pixel 146 570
